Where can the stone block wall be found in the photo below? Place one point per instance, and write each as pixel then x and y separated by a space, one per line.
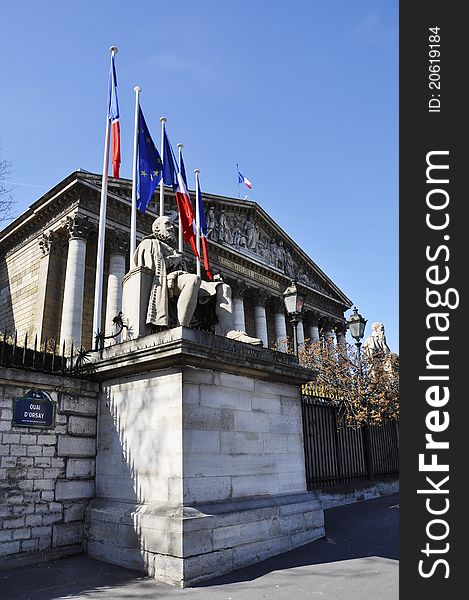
pixel 242 437
pixel 46 475
pixel 140 438
pixel 20 272
pixel 198 436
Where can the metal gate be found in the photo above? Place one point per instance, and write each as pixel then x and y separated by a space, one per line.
pixel 338 454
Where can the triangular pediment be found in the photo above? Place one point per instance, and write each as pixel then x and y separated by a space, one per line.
pixel 245 228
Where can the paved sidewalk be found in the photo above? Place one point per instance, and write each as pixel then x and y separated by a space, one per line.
pixel 358 560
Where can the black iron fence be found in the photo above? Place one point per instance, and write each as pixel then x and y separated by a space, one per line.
pixel 336 454
pixel 47 357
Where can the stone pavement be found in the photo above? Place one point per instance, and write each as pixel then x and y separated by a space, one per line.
pixel 358 560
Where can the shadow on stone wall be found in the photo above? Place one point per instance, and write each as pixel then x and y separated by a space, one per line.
pixel 129 521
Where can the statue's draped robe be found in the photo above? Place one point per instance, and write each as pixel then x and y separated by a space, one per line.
pixel 152 253
pixel 162 259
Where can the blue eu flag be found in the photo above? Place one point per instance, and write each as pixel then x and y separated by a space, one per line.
pixel 150 168
pixel 183 171
pixel 169 164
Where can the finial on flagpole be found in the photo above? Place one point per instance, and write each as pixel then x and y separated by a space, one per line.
pixel 137 89
pixel 163 119
pixel 113 49
pixel 196 171
pixel 180 146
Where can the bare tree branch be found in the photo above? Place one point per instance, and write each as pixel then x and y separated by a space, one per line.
pixel 365 389
pixel 6 197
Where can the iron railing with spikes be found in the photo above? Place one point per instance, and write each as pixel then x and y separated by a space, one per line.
pixel 48 356
pixel 336 454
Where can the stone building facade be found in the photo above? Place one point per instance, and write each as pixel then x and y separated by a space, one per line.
pixel 48 262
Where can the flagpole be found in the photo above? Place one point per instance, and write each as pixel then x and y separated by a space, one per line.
pixel 180 235
pixel 237 177
pixel 133 218
pixel 98 288
pixel 197 220
pixel 163 121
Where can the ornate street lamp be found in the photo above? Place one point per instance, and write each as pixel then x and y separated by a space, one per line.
pixel 356 325
pixel 294 306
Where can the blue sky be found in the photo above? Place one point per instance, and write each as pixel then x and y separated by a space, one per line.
pixel 304 95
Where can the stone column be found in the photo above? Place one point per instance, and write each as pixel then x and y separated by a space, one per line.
pixel 280 324
pixel 313 327
pixel 328 332
pixel 118 246
pixel 72 307
pixel 260 317
pixel 340 336
pixel 300 334
pixel 238 305
pixel 341 341
pixel 49 293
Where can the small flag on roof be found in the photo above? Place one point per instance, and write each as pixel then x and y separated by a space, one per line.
pixel 245 180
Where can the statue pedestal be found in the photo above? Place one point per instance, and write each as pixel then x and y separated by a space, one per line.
pixel 200 465
pixel 136 287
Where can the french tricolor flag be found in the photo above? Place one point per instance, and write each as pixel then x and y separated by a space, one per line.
pixel 245 180
pixel 113 116
pixel 203 230
pixel 186 212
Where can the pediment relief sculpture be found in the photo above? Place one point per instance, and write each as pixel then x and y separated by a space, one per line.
pixel 241 232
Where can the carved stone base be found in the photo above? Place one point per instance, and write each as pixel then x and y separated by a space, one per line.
pixel 200 465
pixel 183 545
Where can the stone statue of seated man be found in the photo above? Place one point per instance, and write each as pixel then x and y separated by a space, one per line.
pixel 375 344
pixel 171 281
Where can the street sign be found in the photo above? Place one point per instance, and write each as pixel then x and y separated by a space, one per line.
pixel 35 409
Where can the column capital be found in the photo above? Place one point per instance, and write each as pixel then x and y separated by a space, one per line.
pixel 79 227
pixel 239 288
pixel 312 317
pixel 51 242
pixel 118 241
pixel 340 327
pixel 261 297
pixel 278 304
pixel 327 325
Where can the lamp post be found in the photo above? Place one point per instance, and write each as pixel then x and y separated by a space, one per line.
pixel 294 302
pixel 357 326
